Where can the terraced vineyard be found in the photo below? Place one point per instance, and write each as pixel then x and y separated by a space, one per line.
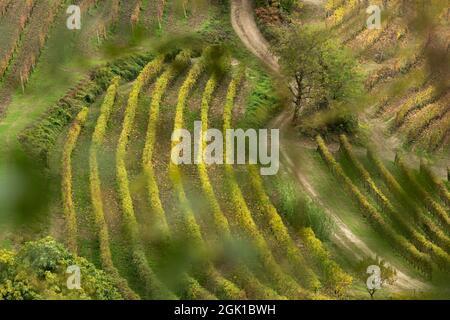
pixel 93 120
pixel 411 96
pixel 387 214
pixel 205 276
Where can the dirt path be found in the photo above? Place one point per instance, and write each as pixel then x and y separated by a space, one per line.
pixel 243 22
pixel 245 27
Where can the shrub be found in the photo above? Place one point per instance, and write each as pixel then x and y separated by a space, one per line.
pixel 38 271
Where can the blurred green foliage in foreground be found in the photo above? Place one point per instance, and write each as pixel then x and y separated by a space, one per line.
pixel 38 271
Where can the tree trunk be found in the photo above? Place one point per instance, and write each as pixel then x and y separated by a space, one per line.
pixel 298 96
pixel 297 104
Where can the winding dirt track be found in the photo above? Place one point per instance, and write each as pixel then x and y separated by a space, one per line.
pixel 244 25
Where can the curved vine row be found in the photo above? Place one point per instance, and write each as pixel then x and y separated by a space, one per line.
pixel 96 193
pixel 223 287
pixel 67 198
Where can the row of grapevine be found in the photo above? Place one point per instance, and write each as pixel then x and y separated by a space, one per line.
pixel 96 197
pixel 388 37
pixel 241 274
pixel 339 10
pixel 432 206
pixel 242 216
pixel 16 18
pixel 421 242
pixel 351 30
pixel 193 290
pixel 401 66
pixel 66 186
pixel 159 218
pixel 419 121
pixel 34 37
pixel 411 81
pixel 114 11
pixel 402 245
pixel 369 184
pixel 437 184
pixel 154 286
pixel 224 288
pixel 187 85
pixel 336 278
pixel 332 5
pixel 436 133
pixel 367 38
pixel 417 101
pixel 96 193
pixel 220 221
pixel 152 69
pixel 425 222
pixel 281 234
